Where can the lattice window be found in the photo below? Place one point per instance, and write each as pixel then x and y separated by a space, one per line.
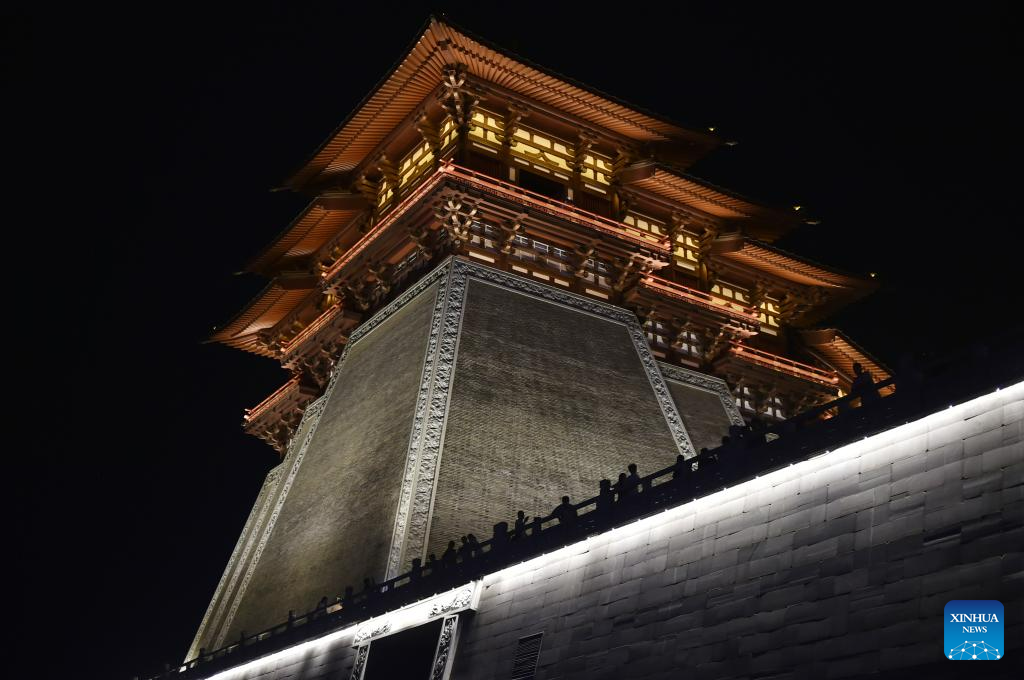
pixel 689 343
pixel 596 172
pixel 541 152
pixel 729 294
pixel 487 131
pixel 770 316
pixel 415 164
pixel 686 251
pixel 385 193
pixel 658 334
pixel 648 224
pixel 448 133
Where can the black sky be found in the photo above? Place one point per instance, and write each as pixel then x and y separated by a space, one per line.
pixel 149 136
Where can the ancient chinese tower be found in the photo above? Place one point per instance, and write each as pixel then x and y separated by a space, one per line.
pixel 505 288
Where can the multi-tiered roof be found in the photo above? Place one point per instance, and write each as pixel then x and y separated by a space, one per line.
pixel 464 148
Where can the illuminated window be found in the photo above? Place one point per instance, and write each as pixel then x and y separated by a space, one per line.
pixel 645 223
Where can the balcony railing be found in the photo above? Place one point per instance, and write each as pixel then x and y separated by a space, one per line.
pixel 280 393
pixel 701 299
pixel 783 365
pixel 557 208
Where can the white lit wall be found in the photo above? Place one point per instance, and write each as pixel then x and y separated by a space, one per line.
pixel 845 560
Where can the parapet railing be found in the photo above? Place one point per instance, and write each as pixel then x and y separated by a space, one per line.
pixel 744 454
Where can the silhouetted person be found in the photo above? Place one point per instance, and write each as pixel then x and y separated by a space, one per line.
pixel 464 549
pixel 605 498
pixel 564 512
pixel 499 539
pixel 622 487
pixel 863 385
pixel 474 545
pixel 349 595
pixel 521 520
pixel 416 572
pixel 368 585
pixel 449 556
pixel 680 468
pixel 432 563
pixel 633 480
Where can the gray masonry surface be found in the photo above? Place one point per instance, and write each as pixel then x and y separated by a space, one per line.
pixel 546 400
pixel 238 563
pixel 833 567
pixel 470 396
pixel 839 566
pixel 330 530
pixel 702 412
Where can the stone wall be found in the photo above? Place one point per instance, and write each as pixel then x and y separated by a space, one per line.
pixel 330 523
pixel 704 403
pixel 835 567
pixel 547 399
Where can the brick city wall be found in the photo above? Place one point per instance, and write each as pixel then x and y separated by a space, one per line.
pixel 834 567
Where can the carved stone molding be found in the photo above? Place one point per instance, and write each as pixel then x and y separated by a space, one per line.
pixel 359 667
pixel 441 668
pixel 429 450
pixel 708 383
pixel 459 600
pixel 416 434
pixel 367 631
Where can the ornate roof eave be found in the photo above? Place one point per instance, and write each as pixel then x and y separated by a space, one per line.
pixel 275 302
pixel 834 348
pixel 758 220
pixel 409 83
pixel 323 218
pixel 775 261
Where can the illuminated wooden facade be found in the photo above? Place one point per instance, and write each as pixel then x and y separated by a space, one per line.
pixel 465 149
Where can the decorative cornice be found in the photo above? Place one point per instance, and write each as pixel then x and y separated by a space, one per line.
pixel 459 600
pixel 705 382
pixel 367 631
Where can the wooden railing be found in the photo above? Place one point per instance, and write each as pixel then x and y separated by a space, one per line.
pixel 782 364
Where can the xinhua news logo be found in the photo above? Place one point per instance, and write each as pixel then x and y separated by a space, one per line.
pixel 973 630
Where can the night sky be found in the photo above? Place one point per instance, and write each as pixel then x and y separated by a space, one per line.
pixel 149 138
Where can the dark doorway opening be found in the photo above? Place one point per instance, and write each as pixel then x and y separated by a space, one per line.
pixel 541 185
pixel 408 654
